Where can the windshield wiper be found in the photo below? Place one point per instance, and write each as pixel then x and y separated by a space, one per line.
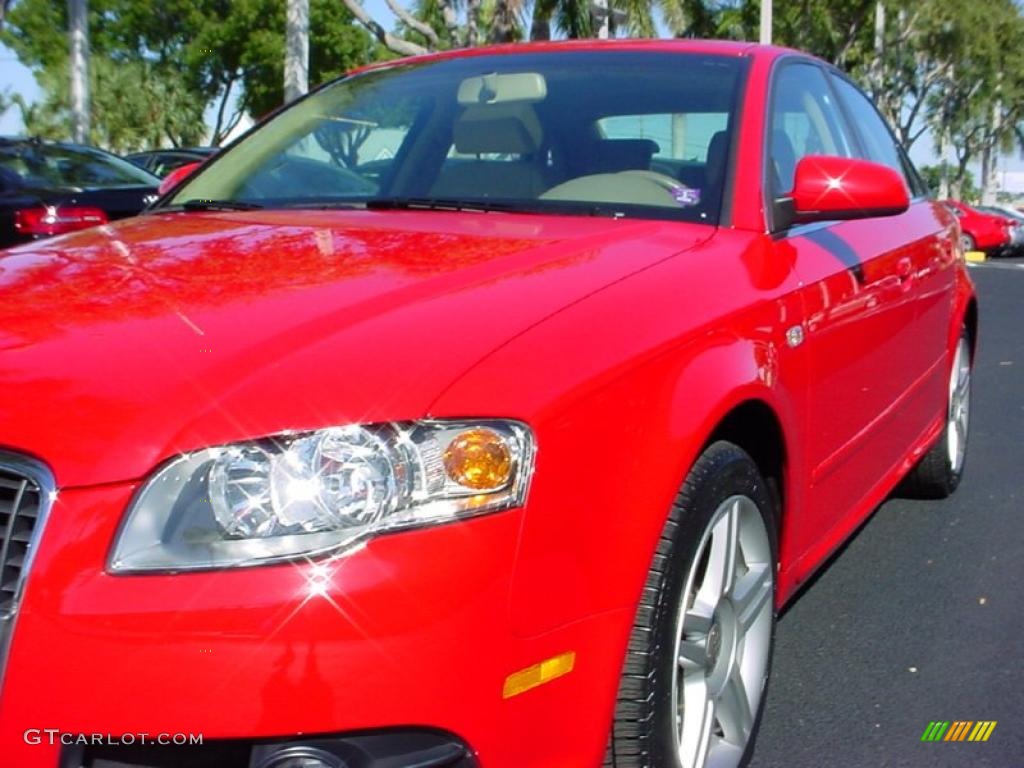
pixel 569 207
pixel 435 204
pixel 326 205
pixel 219 205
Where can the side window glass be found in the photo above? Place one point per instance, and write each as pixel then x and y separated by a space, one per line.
pixel 878 141
pixel 805 121
pixel 917 185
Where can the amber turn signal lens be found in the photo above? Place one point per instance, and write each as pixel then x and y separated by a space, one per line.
pixel 531 677
pixel 479 459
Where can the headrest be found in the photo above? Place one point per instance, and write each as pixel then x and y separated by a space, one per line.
pixel 614 155
pixel 716 150
pixel 496 129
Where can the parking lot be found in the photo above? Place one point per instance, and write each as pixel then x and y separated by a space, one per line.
pixel 920 617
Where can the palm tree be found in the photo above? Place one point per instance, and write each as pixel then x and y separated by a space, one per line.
pixel 4 5
pixel 502 21
pixel 506 21
pixel 571 18
pixel 683 18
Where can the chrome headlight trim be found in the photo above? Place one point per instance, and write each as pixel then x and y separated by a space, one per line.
pixel 309 494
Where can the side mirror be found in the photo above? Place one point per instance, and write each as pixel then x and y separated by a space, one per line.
pixel 829 188
pixel 175 177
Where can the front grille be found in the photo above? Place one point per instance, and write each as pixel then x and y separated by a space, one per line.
pixel 20 499
pixel 26 493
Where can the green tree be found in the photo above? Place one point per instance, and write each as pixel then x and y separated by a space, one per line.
pixel 932 175
pixel 911 57
pixel 839 32
pixel 570 17
pixel 141 95
pixel 975 108
pixel 189 53
pixel 430 25
pixel 136 108
pixel 255 31
pixel 682 18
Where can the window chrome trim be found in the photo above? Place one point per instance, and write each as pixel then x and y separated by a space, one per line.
pixel 36 472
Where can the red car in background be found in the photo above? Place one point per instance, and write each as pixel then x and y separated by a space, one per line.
pixel 493 439
pixel 980 231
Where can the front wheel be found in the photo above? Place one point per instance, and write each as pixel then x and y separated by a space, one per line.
pixel 967 242
pixel 939 471
pixel 692 688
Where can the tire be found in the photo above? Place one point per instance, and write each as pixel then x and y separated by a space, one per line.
pixel 939 471
pixel 967 242
pixel 715 653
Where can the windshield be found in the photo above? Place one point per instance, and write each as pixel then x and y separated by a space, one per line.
pixel 616 133
pixel 33 165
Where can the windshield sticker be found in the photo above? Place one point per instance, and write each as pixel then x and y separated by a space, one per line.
pixel 686 196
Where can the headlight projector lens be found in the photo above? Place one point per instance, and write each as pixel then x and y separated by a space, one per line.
pixel 316 492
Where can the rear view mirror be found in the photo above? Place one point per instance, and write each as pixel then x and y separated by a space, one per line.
pixel 503 89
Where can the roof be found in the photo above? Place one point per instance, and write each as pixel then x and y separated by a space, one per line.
pixel 672 45
pixel 38 141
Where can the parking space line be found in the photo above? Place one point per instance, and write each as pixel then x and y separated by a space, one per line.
pixel 994 265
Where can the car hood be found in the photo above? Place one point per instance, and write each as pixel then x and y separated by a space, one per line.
pixel 126 344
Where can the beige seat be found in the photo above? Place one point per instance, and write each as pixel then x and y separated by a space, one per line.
pixel 624 187
pixel 511 131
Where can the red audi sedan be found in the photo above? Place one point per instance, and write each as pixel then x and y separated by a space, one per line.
pixel 477 410
pixel 982 230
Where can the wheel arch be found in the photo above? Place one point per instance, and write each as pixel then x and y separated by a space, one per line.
pixel 740 391
pixel 970 321
pixel 965 312
pixel 662 415
pixel 755 427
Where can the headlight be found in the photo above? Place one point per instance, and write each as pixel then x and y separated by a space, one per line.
pixel 310 493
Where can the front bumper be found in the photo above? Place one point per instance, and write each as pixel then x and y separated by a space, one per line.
pixel 411 631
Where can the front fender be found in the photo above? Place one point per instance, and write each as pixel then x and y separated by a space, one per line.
pixel 621 410
pixel 964 310
pixel 607 475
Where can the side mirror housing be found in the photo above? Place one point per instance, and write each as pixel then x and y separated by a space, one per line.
pixel 175 177
pixel 827 188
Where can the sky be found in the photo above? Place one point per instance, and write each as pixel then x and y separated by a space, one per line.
pixel 15 78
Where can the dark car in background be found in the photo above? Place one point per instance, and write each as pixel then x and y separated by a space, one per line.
pixel 50 188
pixel 161 162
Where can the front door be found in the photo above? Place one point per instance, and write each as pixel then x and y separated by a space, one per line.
pixel 859 325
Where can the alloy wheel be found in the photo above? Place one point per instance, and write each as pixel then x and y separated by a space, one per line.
pixel 723 639
pixel 959 412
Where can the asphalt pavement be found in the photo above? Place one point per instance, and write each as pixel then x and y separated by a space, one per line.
pixel 921 616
